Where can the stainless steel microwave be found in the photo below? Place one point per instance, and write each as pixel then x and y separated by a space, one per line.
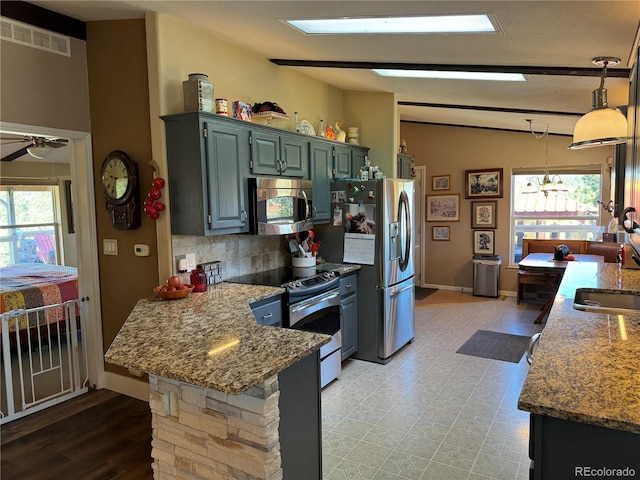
pixel 280 205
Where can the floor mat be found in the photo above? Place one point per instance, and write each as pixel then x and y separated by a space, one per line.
pixel 422 293
pixel 495 345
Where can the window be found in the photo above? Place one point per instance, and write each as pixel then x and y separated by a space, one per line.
pixel 29 224
pixel 571 215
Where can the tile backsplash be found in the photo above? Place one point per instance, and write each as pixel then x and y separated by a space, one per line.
pixel 239 254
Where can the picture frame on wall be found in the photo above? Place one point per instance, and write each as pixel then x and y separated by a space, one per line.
pixel 440 233
pixel 441 182
pixel 483 242
pixel 443 208
pixel 485 183
pixel 484 214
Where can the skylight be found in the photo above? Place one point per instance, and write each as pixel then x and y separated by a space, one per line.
pixel 505 77
pixel 422 24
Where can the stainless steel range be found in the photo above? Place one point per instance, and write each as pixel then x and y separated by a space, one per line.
pixel 313 305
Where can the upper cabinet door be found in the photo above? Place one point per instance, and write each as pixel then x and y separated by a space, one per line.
pixel 321 175
pixel 265 153
pixel 294 156
pixel 342 158
pixel 226 148
pixel 274 153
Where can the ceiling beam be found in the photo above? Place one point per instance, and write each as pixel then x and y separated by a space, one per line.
pixel 489 109
pixel 525 70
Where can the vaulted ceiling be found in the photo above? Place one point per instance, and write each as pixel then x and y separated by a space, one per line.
pixel 552 42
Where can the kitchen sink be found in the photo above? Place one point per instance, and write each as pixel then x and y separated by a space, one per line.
pixel 602 300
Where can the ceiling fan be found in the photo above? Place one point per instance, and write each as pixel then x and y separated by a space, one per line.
pixel 38 147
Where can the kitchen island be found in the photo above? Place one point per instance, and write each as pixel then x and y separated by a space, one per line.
pixel 583 388
pixel 219 382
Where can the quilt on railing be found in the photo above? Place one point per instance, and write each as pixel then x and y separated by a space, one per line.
pixel 30 285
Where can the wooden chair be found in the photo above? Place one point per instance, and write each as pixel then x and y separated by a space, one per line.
pixel 543 246
pixel 609 250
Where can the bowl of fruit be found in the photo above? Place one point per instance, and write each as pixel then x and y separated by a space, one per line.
pixel 173 289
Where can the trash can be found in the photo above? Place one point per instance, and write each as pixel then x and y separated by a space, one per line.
pixel 486 275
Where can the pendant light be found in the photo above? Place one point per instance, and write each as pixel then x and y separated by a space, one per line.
pixel 547 184
pixel 602 125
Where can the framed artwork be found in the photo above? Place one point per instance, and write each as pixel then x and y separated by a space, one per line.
pixel 483 242
pixel 443 208
pixel 440 233
pixel 440 182
pixel 483 214
pixel 483 183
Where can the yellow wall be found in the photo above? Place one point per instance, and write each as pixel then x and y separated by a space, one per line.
pixel 452 150
pixel 375 114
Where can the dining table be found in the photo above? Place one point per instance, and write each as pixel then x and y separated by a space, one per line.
pixel 552 269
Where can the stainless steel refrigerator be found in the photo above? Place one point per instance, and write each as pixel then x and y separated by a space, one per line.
pixel 372 225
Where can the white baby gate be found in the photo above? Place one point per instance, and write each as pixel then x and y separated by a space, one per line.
pixel 44 363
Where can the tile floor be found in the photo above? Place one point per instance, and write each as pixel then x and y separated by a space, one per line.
pixel 430 413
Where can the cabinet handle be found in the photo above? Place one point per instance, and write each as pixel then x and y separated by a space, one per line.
pixel 243 216
pixel 268 315
pixel 348 285
pixel 284 164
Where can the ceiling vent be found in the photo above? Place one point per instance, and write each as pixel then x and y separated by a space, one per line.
pixel 24 34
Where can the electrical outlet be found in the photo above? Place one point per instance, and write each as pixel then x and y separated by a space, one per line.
pixel 191 261
pixel 181 263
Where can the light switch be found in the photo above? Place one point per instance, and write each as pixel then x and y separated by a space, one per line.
pixel 110 246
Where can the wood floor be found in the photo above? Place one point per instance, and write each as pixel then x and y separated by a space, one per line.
pixel 100 435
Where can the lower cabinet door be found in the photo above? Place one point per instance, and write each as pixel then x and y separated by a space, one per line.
pixel 349 325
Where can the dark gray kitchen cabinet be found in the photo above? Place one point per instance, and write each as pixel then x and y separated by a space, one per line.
pixel 562 449
pixel 321 175
pixel 343 164
pixel 329 161
pixel 349 314
pixel 359 156
pixel 206 159
pixel 268 312
pixel 278 153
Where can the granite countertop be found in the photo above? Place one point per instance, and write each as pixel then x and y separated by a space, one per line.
pixel 587 365
pixel 341 268
pixel 177 339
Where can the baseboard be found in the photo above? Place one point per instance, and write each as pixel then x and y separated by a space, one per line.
pixel 453 288
pixel 127 386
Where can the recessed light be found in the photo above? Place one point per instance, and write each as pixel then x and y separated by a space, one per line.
pixel 482 23
pixel 493 76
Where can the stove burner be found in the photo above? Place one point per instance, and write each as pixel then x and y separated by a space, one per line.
pixel 290 279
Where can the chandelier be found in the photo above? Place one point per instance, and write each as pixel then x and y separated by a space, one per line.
pixel 547 184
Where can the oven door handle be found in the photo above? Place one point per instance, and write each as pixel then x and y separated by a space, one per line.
pixel 312 305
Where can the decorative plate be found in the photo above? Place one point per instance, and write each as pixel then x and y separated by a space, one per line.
pixel 307 128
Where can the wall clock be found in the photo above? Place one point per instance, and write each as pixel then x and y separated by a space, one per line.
pixel 119 178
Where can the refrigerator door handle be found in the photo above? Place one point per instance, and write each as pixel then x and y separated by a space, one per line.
pixel 403 211
pixel 397 291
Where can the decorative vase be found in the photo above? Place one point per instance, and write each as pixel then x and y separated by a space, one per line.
pixel 198 93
